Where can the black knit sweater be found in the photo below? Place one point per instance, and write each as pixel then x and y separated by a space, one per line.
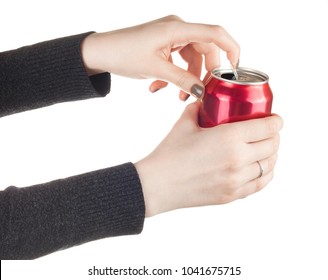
pixel 41 219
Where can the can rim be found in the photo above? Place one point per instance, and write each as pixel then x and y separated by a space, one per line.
pixel 217 72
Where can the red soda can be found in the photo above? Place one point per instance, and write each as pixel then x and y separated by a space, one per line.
pixel 229 100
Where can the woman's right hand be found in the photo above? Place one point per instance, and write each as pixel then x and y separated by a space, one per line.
pixel 196 166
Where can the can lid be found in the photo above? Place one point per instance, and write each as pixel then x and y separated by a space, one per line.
pixel 246 76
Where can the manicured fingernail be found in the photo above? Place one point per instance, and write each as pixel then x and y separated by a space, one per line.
pixel 197 91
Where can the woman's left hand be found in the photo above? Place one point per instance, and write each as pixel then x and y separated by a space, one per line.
pixel 145 51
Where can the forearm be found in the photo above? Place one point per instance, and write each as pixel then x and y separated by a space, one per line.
pixel 47 73
pixel 41 219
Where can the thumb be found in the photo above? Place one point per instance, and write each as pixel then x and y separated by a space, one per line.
pixel 189 118
pixel 183 79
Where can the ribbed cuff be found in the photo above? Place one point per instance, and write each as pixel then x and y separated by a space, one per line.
pixel 110 203
pixel 47 73
pixel 42 219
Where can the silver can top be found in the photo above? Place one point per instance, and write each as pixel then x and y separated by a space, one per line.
pixel 246 76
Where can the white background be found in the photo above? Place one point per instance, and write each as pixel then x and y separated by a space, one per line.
pixel 279 233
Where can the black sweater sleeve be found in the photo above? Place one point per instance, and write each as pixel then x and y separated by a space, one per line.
pixel 47 73
pixel 41 219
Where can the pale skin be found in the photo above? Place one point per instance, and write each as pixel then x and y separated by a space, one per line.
pixel 192 166
pixel 144 51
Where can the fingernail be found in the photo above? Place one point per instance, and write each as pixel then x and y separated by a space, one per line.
pixel 197 91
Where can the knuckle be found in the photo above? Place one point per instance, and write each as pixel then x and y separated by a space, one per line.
pixel 231 184
pixel 167 25
pixel 238 47
pixel 276 143
pixel 182 81
pixel 173 18
pixel 234 164
pixel 172 22
pixel 272 126
pixel 234 161
pixel 223 199
pixel 219 30
pixel 226 189
pixel 226 197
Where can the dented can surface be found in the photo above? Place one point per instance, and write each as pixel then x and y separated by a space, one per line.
pixel 228 100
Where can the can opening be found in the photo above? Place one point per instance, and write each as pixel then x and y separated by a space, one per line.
pixel 228 76
pixel 245 76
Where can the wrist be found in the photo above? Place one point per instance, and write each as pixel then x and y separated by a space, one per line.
pixel 162 187
pixel 91 55
pixel 145 176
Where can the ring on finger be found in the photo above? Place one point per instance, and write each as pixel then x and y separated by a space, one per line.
pixel 261 169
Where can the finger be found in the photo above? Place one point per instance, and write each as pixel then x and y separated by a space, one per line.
pixel 183 79
pixel 202 33
pixel 157 85
pixel 263 149
pixel 254 185
pixel 206 78
pixel 183 95
pixel 189 117
pixel 258 129
pixel 194 60
pixel 256 169
pixel 193 53
pixel 212 59
pixel 211 54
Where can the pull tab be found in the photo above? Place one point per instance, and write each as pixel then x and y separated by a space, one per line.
pixel 234 70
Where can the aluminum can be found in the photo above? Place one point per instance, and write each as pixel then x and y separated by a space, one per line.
pixel 229 100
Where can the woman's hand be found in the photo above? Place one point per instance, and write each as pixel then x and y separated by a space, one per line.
pixel 194 166
pixel 144 51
